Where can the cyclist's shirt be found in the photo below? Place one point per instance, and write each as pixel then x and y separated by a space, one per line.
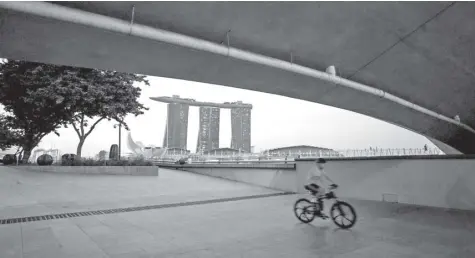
pixel 317 177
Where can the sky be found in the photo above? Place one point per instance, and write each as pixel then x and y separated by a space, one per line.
pixel 276 121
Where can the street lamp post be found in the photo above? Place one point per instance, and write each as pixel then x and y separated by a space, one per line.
pixel 168 131
pixel 120 138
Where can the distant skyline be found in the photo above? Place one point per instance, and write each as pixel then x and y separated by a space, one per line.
pixel 277 121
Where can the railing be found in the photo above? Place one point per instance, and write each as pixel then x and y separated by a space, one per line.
pixel 285 157
pixel 389 152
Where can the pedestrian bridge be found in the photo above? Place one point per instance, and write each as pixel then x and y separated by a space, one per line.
pixel 409 64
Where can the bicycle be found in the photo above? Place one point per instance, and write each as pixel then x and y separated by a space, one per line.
pixel 311 209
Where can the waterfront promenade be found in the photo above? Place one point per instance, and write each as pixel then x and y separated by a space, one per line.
pixel 198 216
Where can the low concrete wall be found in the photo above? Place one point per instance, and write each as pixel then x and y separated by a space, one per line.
pixel 437 181
pixel 445 183
pixel 97 170
pixel 274 176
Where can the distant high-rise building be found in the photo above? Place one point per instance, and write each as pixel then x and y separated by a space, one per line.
pixel 241 128
pixel 176 131
pixel 208 136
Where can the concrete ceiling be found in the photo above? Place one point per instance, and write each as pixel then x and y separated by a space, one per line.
pixel 420 51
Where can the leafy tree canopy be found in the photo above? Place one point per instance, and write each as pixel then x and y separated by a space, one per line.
pixel 40 98
pixel 100 95
pixel 9 137
pixel 33 107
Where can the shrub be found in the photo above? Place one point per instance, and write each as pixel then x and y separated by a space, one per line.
pixel 68 159
pixel 140 162
pixel 117 162
pixel 44 160
pixel 9 159
pixel 90 162
pixel 93 162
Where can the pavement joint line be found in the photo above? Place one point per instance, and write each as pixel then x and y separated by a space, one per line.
pixel 131 209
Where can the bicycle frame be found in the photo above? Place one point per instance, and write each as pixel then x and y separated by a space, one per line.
pixel 315 208
pixel 327 196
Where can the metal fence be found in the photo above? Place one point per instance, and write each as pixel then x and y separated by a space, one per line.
pixel 389 152
pixel 283 157
pixel 291 156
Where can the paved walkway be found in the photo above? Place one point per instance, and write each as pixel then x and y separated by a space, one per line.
pixel 264 227
pixel 25 193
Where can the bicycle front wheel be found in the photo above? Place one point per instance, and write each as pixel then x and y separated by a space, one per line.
pixel 304 210
pixel 343 214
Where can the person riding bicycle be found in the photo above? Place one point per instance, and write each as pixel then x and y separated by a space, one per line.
pixel 318 181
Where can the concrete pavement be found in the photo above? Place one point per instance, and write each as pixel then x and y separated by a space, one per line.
pixel 24 193
pixel 263 227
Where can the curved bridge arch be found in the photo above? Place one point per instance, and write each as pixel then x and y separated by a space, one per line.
pixel 398 61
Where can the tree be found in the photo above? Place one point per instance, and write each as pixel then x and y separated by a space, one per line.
pixel 8 136
pixel 102 155
pixel 34 106
pixel 101 95
pixel 40 98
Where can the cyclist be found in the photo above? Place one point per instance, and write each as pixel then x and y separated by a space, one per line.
pixel 318 182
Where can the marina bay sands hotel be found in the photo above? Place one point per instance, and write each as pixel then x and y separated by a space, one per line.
pixel 176 131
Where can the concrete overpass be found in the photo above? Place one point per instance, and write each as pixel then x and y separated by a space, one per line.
pixel 410 64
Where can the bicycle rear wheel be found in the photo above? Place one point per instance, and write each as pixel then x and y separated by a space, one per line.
pixel 343 214
pixel 304 210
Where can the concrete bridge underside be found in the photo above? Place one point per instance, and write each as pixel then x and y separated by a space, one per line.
pixel 421 52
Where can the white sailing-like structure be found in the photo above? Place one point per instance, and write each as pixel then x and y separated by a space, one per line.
pixel 140 150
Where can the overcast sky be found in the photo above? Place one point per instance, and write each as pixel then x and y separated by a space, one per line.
pixel 276 122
